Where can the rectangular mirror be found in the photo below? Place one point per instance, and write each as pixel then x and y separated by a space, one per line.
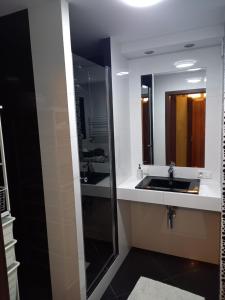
pixel 173 118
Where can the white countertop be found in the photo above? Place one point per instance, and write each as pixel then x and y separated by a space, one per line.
pixel 209 197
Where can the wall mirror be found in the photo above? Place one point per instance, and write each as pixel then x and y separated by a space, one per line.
pixel 173 118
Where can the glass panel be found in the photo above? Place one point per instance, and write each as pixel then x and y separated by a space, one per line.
pixel 96 165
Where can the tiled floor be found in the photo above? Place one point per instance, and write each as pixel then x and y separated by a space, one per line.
pixel 193 276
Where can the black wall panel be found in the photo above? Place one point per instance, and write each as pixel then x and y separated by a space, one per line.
pixel 21 139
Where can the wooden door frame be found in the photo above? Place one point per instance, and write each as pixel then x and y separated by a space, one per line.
pixel 4 287
pixel 170 122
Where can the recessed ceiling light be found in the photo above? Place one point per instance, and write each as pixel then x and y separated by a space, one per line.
pixel 194 69
pixel 182 64
pixel 189 45
pixel 144 86
pixel 194 80
pixel 149 52
pixel 141 3
pixel 122 73
pixel 145 99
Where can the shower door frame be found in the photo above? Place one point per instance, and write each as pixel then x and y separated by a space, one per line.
pixel 109 98
pixel 112 185
pixel 109 262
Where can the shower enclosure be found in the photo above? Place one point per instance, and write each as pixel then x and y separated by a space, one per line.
pixel 97 167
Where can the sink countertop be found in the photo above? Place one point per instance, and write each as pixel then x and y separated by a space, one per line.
pixel 209 197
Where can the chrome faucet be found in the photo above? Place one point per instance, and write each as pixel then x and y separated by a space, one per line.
pixel 171 170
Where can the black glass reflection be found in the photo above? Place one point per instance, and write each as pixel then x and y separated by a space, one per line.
pixel 147 119
pixel 96 168
pixel 23 159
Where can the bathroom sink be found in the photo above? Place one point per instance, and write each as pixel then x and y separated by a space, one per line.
pixel 178 185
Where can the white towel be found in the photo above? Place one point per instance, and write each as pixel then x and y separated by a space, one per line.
pixel 148 289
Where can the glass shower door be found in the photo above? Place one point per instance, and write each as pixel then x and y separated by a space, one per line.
pixel 96 153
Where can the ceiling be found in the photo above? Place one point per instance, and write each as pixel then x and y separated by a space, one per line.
pixel 92 20
pixel 96 19
pixel 10 6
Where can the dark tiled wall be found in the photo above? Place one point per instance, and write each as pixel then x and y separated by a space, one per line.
pixel 21 139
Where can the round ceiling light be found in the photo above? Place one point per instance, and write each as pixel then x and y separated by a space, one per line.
pixel 182 64
pixel 141 3
pixel 123 73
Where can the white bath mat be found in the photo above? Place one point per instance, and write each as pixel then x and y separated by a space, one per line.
pixel 148 289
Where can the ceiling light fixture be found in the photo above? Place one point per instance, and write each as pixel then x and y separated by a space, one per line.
pixel 122 73
pixel 194 80
pixel 141 3
pixel 182 64
pixel 145 99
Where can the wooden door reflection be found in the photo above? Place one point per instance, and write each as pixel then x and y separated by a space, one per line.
pixel 185 128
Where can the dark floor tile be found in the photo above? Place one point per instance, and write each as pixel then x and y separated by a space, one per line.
pixel 194 276
pixel 138 263
pixel 203 281
pixel 123 297
pixel 97 253
pixel 171 266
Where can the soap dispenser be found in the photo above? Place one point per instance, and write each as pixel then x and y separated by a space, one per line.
pixel 139 172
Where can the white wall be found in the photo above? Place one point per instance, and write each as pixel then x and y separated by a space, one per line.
pixel 53 76
pixel 164 83
pixel 121 111
pixel 209 58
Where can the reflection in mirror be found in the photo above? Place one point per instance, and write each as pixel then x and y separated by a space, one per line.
pixel 173 118
pixel 147 119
